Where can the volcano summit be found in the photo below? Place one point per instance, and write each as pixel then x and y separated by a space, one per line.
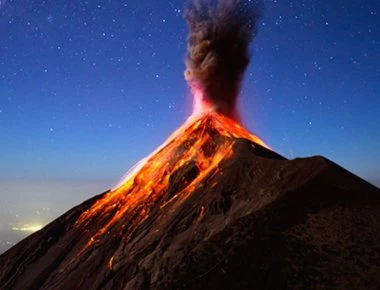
pixel 213 207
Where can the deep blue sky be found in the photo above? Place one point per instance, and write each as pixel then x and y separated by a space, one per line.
pixel 87 88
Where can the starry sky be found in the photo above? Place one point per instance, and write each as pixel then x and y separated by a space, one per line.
pixel 88 88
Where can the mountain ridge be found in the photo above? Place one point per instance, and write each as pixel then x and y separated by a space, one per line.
pixel 250 219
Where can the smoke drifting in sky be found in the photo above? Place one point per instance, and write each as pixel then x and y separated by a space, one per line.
pixel 217 49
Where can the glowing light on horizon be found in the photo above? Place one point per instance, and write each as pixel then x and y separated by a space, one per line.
pixel 28 228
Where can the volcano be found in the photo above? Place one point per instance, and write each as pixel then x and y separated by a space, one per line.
pixel 213 208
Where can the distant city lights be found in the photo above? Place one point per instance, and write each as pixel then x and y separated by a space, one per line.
pixel 28 228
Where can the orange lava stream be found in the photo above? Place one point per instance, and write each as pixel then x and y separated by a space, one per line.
pixel 198 141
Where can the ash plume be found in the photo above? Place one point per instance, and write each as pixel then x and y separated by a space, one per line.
pixel 217 49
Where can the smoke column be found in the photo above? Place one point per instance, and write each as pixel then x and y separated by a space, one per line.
pixel 217 51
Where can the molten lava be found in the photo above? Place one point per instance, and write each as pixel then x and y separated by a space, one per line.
pixel 203 141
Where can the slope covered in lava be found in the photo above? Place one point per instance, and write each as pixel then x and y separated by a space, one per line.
pixel 211 209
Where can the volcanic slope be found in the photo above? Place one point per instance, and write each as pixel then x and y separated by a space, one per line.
pixel 212 208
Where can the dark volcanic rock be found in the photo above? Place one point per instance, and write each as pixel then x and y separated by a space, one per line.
pixel 260 222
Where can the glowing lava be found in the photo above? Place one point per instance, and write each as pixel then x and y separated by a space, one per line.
pixel 204 141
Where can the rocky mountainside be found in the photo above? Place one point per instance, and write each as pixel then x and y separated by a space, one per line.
pixel 211 209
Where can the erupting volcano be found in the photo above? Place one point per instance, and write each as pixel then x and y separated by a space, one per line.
pixel 213 207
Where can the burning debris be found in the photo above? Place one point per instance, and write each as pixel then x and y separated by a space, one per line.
pixel 213 207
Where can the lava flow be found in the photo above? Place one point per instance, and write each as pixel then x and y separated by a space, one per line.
pixel 204 141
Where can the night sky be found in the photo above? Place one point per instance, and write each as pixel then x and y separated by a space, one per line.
pixel 88 88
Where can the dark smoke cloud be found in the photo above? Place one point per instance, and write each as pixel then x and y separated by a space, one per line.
pixel 217 49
